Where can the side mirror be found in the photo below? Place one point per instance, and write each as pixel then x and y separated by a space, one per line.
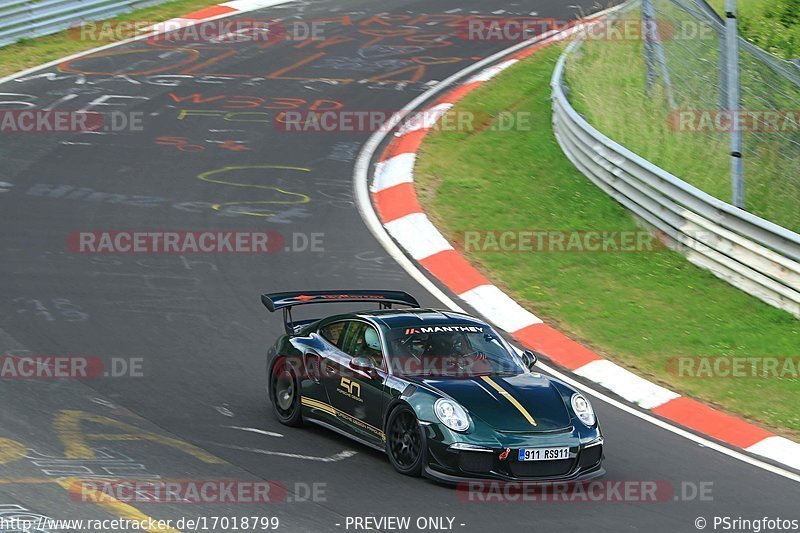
pixel 362 364
pixel 529 358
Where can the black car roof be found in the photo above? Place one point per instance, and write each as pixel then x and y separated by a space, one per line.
pixel 400 318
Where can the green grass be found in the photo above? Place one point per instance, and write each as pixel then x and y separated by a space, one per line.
pixel 607 85
pixel 774 25
pixel 639 309
pixel 31 52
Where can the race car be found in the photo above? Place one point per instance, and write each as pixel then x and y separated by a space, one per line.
pixel 441 393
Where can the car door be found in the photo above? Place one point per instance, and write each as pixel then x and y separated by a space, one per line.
pixel 357 395
pixel 316 350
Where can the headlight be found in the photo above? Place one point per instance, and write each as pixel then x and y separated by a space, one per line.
pixel 583 409
pixel 451 414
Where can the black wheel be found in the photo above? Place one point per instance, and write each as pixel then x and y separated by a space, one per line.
pixel 284 393
pixel 405 442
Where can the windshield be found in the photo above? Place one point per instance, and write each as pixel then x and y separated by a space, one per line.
pixel 450 350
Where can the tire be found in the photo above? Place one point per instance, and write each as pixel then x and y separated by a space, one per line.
pixel 406 444
pixel 284 394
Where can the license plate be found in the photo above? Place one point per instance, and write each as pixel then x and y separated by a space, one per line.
pixel 543 454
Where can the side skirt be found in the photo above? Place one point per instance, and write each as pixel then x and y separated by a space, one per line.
pixel 345 433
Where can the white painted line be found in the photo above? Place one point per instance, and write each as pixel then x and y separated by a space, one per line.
pixel 626 384
pixel 394 171
pixel 778 449
pixel 255 430
pixel 171 25
pixel 490 73
pixel 361 177
pixel 424 119
pixel 663 424
pixel 249 5
pixel 417 235
pixel 373 223
pixel 27 71
pixel 496 305
pixel 224 411
pixel 344 454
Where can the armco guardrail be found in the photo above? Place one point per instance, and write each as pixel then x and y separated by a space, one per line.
pixel 25 19
pixel 753 254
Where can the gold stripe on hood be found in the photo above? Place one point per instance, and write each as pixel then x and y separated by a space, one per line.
pixel 507 395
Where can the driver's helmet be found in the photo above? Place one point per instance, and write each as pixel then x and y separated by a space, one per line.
pixel 442 345
pixel 372 340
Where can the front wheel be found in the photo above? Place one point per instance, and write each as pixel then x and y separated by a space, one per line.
pixel 405 442
pixel 284 393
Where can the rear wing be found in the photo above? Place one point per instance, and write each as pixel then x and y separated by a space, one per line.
pixel 286 300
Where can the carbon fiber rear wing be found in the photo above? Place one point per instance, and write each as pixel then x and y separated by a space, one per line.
pixel 286 300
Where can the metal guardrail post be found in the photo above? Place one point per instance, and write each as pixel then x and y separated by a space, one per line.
pixel 719 25
pixel 653 39
pixel 734 104
pixel 649 52
pixel 755 255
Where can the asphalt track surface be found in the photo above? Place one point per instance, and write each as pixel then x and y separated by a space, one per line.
pixel 196 320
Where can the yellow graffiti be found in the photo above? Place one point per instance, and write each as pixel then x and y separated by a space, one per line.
pixel 67 425
pixel 10 450
pixel 26 481
pixel 298 198
pixel 81 490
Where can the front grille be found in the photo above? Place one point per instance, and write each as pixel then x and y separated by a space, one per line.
pixel 559 467
pixel 591 456
pixel 477 462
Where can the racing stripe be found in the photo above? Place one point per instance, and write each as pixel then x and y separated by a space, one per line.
pixel 322 406
pixel 507 395
pixel 316 404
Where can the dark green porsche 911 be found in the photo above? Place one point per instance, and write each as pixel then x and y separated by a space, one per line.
pixel 440 392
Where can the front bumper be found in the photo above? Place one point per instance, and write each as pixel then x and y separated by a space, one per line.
pixel 453 466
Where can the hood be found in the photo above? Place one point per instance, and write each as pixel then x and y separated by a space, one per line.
pixel 507 403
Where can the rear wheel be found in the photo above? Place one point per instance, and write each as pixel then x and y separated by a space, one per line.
pixel 284 393
pixel 405 442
